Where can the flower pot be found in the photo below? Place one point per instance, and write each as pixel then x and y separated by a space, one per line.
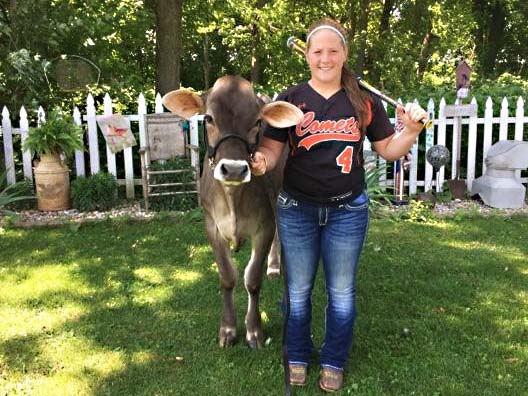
pixel 52 182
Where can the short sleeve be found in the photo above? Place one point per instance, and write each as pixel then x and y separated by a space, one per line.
pixel 380 126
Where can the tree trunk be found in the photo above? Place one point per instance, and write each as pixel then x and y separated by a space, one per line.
pixel 256 57
pixel 362 39
pixel 489 36
pixel 385 17
pixel 353 20
pixel 425 54
pixel 168 43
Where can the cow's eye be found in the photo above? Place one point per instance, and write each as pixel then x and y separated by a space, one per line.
pixel 258 123
pixel 208 118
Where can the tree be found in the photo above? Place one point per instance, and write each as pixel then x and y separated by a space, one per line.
pixel 168 15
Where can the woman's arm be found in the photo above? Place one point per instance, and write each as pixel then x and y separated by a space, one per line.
pixel 267 156
pixel 396 146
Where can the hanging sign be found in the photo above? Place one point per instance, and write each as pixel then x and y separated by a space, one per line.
pixel 116 131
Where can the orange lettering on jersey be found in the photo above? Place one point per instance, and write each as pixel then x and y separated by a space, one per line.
pixel 321 131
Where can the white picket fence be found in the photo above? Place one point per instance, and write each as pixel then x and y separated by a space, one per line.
pixel 443 131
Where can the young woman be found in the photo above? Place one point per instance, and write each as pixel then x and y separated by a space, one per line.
pixel 323 206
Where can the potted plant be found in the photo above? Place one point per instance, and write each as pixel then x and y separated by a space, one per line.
pixel 58 136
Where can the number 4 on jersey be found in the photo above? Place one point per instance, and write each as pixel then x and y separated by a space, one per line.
pixel 344 160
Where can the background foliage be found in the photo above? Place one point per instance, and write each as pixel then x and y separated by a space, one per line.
pixel 409 48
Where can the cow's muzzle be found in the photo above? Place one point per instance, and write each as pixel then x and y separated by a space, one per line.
pixel 232 172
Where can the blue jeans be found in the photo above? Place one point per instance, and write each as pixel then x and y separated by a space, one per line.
pixel 309 232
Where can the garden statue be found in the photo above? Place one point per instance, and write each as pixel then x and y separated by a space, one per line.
pixel 438 156
pixel 499 187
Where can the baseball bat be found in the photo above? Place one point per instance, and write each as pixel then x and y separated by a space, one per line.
pixel 298 45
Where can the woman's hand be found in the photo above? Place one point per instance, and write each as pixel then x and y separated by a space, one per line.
pixel 258 164
pixel 410 116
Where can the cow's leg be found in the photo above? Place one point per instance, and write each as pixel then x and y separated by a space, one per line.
pixel 274 257
pixel 253 280
pixel 228 275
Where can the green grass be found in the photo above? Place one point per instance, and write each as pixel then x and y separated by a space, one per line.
pixel 132 308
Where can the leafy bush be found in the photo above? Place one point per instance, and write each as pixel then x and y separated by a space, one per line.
pixel 9 194
pixel 96 192
pixel 178 202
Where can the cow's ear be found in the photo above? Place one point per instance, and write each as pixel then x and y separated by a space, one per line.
pixel 281 114
pixel 183 102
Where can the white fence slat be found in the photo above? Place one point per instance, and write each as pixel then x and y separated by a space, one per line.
pixel 8 147
pixel 142 110
pixel 519 126
pixel 488 131
pixel 129 173
pixel 472 148
pixel 429 142
pixel 519 119
pixel 79 155
pixel 413 171
pixel 93 145
pixel 193 129
pixel 457 125
pixel 26 155
pixel 110 157
pixel 159 104
pixel 441 139
pixel 503 129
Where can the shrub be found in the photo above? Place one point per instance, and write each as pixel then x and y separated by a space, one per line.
pixel 96 192
pixel 12 194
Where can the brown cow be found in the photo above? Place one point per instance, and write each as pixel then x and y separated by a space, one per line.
pixel 237 205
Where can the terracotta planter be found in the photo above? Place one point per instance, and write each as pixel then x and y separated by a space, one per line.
pixel 52 182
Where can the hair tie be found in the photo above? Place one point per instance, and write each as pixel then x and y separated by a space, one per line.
pixel 326 27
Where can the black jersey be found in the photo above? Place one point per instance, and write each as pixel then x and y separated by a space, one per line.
pixel 326 148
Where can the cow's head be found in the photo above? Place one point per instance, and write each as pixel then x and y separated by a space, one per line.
pixel 233 117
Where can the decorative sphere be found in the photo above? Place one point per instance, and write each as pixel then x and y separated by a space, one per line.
pixel 438 156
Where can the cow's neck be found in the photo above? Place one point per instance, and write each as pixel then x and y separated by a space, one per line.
pixel 232 197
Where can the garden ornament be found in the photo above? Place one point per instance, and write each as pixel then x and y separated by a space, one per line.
pixel 500 187
pixel 438 156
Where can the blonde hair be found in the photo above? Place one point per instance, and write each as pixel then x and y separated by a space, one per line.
pixel 360 99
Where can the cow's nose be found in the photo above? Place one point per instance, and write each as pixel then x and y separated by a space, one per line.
pixel 232 171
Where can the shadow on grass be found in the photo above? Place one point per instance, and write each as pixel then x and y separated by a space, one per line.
pixel 147 305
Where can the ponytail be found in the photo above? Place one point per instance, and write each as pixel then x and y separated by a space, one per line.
pixel 361 100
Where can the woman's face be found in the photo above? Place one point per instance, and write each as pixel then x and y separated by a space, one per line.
pixel 326 55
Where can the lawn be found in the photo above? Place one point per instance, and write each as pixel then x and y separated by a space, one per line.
pixel 128 307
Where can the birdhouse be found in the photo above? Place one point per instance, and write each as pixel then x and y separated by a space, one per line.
pixel 463 74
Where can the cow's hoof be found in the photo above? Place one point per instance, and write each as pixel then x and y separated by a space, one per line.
pixel 273 272
pixel 227 337
pixel 254 340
